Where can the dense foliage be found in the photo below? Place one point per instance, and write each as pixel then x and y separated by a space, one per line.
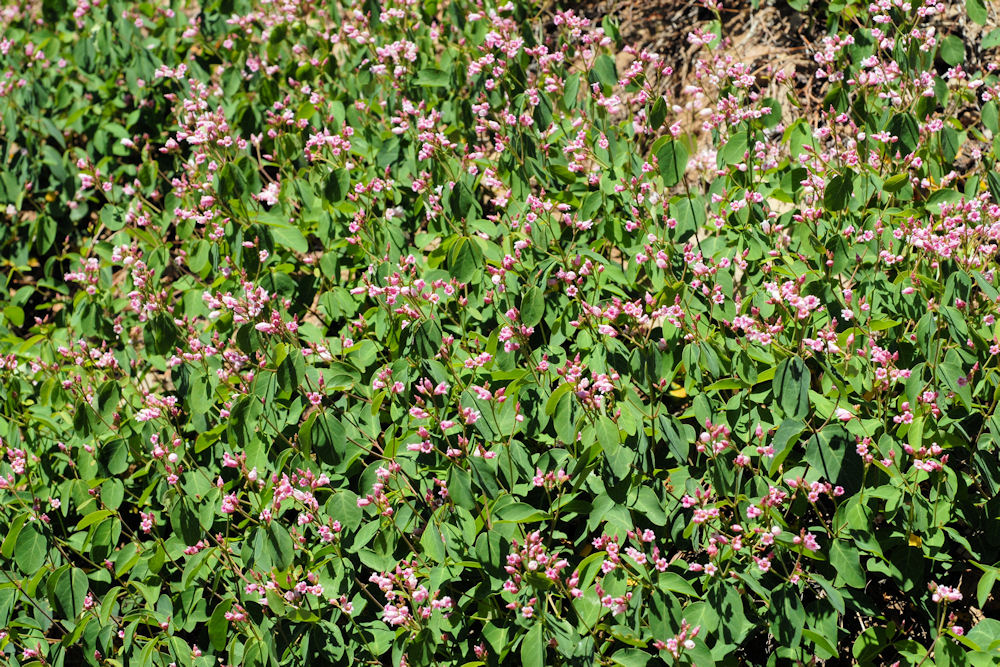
pixel 437 333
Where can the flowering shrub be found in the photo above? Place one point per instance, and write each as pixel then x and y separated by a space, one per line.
pixel 448 333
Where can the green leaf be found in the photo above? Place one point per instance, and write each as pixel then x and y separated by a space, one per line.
pixel 218 626
pixel 92 518
pixel 846 561
pixel 675 583
pixel 993 181
pixel 464 205
pixel 290 237
pixel 553 400
pixel 532 306
pixel 658 114
pixel 725 384
pixel 326 436
pixel 672 158
pixel 985 586
pixel 533 647
pixel 950 143
pixel 433 543
pixel 619 458
pixel 832 452
pixel 650 506
pixel 734 152
pixel 388 153
pixel 871 642
pixel 159 334
pixel 519 513
pixel 991 40
pixel 832 594
pixel 114 456
pixel 820 641
pixel 460 488
pixel 343 507
pixel 70 590
pixel 905 127
pixel 13 531
pixel 14 315
pixel 976 9
pixel 338 185
pixel 571 90
pixel 990 113
pixel 279 545
pixel 631 657
pixel 838 191
pixel 112 217
pixel 988 289
pixel 771 119
pixel 432 78
pixel 678 436
pixel 915 433
pixel 895 183
pixel 604 72
pixel 112 493
pixel 955 378
pixel 30 550
pixel 231 182
pixel 791 387
pixel 591 204
pixel 788 617
pixel 986 634
pixel 783 441
pixel 465 259
pixel 943 196
pixel 952 50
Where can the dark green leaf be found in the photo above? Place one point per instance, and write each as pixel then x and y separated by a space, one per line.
pixel 338 185
pixel 791 387
pixel 70 590
pixel 532 306
pixel 114 456
pixel 838 191
pixel 604 72
pixel 846 561
pixel 279 545
pixel 619 458
pixel 672 158
pixel 658 113
pixel 31 549
pixel 905 127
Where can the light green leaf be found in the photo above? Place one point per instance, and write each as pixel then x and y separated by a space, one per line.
pixel 553 400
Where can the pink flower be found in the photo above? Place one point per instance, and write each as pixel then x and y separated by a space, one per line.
pixel 394 615
pixel 230 503
pixel 269 195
